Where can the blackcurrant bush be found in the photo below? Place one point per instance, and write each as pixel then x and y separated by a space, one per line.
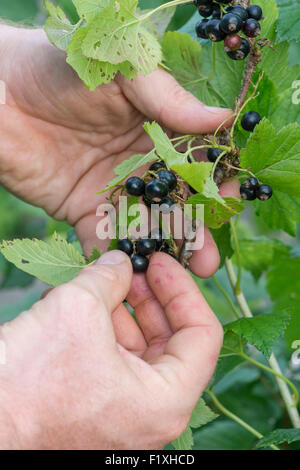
pixel 251 28
pixel 139 263
pixel 206 12
pixel 250 120
pixel 213 154
pixel 135 186
pixel 251 183
pixel 231 23
pixel 239 11
pixel 166 204
pixel 214 31
pixel 264 192
pixel 247 194
pixel 168 178
pixel 156 190
pixel 200 28
pixel 157 166
pixel 125 245
pixel 232 42
pixel 145 246
pixel 242 52
pixel 255 12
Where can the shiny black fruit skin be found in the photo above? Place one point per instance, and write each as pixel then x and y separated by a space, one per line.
pixel 213 30
pixel 202 3
pixel 251 183
pixel 250 120
pixel 156 190
pixel 264 192
pixel 166 204
pixel 157 235
pixel 125 245
pixel 139 263
pixel 239 11
pixel 135 186
pixel 255 12
pixel 251 28
pixel 145 246
pixel 231 23
pixel 200 28
pixel 192 190
pixel 241 53
pixel 247 194
pixel 213 154
pixel 206 12
pixel 168 178
pixel 157 166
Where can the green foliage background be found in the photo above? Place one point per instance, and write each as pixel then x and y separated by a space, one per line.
pixel 246 391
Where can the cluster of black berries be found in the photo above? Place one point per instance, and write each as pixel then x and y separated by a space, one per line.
pixel 223 25
pixel 251 189
pixel 139 250
pixel 157 190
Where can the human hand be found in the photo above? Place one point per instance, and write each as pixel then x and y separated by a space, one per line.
pixel 59 142
pixel 82 374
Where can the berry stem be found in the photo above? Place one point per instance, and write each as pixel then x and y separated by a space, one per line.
pixel 227 297
pixel 284 390
pixel 216 164
pixel 237 287
pixel 235 418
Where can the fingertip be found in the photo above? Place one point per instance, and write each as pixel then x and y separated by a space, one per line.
pixel 205 262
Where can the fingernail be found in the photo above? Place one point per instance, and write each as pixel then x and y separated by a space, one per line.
pixel 112 257
pixel 214 110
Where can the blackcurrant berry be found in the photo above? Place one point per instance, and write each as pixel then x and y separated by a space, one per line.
pixel 168 178
pixel 165 248
pixel 135 186
pixel 217 11
pixel 251 28
pixel 232 42
pixel 250 120
pixel 166 204
pixel 125 245
pixel 202 3
pixel 157 235
pixel 148 202
pixel 213 30
pixel 255 12
pixel 206 11
pixel 224 2
pixel 239 11
pixel 247 194
pixel 156 190
pixel 157 166
pixel 139 263
pixel 264 192
pixel 213 154
pixel 251 183
pixel 145 246
pixel 200 28
pixel 192 190
pixel 231 23
pixel 242 52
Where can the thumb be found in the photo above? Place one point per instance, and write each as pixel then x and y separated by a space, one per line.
pixel 159 97
pixel 108 279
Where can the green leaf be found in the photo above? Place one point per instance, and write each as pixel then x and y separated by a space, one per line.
pixel 58 28
pixel 158 22
pixel 185 441
pixel 195 173
pixel 129 166
pixel 223 435
pixel 289 22
pixel 201 415
pixel 258 255
pixel 222 237
pixel 279 436
pixel 281 212
pixel 232 345
pixel 215 213
pixel 274 157
pixel 88 9
pixel 261 331
pixel 117 35
pixel 163 145
pixel 95 255
pixel 54 262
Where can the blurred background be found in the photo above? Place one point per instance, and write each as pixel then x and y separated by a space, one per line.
pixel 18 291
